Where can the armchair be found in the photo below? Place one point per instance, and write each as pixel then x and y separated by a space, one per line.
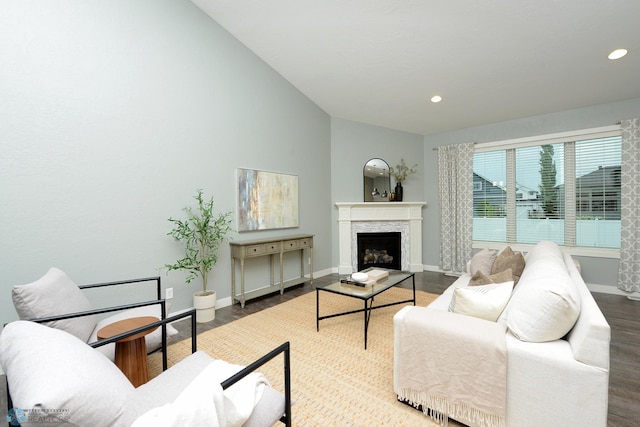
pixel 55 300
pixel 95 392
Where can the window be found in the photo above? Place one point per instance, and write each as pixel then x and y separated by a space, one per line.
pixel 564 188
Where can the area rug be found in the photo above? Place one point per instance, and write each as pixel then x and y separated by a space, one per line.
pixel 334 380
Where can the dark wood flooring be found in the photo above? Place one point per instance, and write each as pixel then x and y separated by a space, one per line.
pixel 622 314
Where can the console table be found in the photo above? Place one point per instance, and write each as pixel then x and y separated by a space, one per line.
pixel 269 247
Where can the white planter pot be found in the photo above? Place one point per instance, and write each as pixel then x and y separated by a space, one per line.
pixel 205 306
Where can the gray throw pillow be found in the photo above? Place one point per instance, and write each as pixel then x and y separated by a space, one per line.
pixel 54 294
pixel 482 261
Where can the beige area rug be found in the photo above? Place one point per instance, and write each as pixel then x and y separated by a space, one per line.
pixel 334 380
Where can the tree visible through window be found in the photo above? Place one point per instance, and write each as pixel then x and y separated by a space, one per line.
pixel 548 188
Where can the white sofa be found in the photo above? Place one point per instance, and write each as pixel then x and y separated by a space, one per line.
pixel 557 343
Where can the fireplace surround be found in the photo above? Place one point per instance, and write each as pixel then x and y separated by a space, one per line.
pixel 362 217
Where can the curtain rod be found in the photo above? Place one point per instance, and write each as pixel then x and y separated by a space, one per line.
pixel 436 148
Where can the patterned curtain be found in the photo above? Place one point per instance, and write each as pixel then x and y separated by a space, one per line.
pixel 629 269
pixel 455 173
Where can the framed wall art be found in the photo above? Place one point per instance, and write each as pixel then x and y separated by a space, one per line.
pixel 266 200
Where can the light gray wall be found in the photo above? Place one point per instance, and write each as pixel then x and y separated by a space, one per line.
pixel 113 113
pixel 352 145
pixel 599 271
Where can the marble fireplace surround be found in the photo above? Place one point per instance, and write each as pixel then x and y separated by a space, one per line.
pixel 362 217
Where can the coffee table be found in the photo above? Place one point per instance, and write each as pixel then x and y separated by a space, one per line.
pixel 366 294
pixel 131 352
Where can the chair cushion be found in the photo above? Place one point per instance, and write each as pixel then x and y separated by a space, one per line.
pixel 153 340
pixel 54 294
pixel 49 369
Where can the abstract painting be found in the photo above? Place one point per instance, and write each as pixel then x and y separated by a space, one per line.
pixel 266 200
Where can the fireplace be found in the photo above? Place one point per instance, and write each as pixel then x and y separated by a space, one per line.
pixel 378 217
pixel 380 250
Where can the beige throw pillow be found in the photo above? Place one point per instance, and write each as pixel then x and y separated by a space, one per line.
pixel 482 279
pixel 508 259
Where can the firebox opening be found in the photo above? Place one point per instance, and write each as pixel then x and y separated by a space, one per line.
pixel 379 250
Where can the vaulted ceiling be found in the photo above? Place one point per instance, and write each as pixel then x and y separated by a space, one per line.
pixel 380 61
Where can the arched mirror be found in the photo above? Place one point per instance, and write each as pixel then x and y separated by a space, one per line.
pixel 377 185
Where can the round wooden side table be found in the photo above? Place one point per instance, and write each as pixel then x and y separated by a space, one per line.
pixel 131 352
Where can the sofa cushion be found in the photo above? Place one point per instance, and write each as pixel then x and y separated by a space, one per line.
pixel 72 377
pixel 482 279
pixel 508 259
pixel 546 303
pixel 153 340
pixel 54 294
pixel 483 301
pixel 482 262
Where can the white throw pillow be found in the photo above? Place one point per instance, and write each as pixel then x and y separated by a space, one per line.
pixel 546 303
pixel 54 294
pixel 49 369
pixel 484 301
pixel 153 340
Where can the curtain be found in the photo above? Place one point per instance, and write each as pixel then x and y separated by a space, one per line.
pixel 455 174
pixel 629 268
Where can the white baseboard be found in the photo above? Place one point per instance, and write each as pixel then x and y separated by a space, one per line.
pixel 612 290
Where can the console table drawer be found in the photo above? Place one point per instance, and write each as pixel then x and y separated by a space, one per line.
pixel 254 250
pixel 290 245
pixel 272 248
pixel 305 243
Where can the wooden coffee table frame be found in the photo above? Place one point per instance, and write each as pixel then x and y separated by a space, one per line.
pixel 367 295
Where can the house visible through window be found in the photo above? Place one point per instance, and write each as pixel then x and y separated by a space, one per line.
pixel 564 188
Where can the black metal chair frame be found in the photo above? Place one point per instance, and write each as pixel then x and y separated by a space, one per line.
pixel 281 349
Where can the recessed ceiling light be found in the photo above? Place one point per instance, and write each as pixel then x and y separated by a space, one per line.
pixel 617 54
pixel 436 98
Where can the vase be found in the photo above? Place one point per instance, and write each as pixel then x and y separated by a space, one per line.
pixel 205 306
pixel 398 191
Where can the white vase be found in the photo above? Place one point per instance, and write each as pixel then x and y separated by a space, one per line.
pixel 205 306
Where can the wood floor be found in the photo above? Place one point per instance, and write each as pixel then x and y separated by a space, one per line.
pixel 622 314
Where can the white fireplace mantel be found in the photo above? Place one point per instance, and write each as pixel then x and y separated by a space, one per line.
pixel 407 215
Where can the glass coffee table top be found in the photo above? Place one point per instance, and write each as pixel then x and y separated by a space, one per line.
pixel 367 291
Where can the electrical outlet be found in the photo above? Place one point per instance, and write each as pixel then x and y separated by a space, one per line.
pixel 309 261
pixel 169 293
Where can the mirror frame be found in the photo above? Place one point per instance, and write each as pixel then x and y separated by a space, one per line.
pixel 376 180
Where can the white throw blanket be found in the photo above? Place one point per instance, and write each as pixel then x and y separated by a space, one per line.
pixel 456 367
pixel 204 403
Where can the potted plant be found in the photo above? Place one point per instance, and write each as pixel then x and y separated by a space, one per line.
pixel 401 172
pixel 201 234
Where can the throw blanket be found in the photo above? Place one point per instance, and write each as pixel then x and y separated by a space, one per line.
pixel 455 366
pixel 204 403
